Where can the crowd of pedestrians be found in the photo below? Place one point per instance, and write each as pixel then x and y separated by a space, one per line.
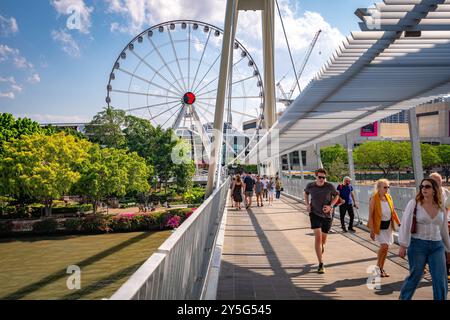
pixel 243 188
pixel 423 230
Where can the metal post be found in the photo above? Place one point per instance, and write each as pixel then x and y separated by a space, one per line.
pixel 268 26
pixel 319 159
pixel 415 144
pixel 289 165
pixel 225 61
pixel 351 163
pixel 302 172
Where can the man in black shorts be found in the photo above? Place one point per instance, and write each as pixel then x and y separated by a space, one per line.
pixel 323 198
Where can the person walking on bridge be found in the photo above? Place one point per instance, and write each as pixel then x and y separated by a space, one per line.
pixel 237 192
pixel 348 195
pixel 249 184
pixel 320 197
pixel 383 220
pixel 446 202
pixel 424 238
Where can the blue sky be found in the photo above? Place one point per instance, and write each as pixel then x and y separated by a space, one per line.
pixel 55 74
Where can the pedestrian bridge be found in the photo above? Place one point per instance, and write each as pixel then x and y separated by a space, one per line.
pixel 264 253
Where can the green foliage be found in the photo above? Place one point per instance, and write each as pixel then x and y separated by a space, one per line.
pixel 337 170
pixel 73 225
pixel 11 128
pixel 332 153
pixel 95 223
pixel 194 196
pixel 386 156
pixel 47 226
pixel 106 128
pixel 139 134
pixel 41 167
pixel 430 156
pixel 112 172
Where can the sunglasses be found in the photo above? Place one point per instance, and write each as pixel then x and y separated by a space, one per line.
pixel 321 177
pixel 426 186
pixel 385 188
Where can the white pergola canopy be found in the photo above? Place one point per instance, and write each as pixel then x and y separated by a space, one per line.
pixel 400 59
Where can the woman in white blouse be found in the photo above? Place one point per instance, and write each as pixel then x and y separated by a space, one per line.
pixel 427 243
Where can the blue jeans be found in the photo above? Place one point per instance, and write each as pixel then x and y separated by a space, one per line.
pixel 278 194
pixel 421 252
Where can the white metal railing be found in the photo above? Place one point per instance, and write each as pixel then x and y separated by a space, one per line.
pixel 400 195
pixel 177 271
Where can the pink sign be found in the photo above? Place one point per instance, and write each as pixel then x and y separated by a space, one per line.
pixel 371 130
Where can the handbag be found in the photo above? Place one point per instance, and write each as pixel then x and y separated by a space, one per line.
pixel 414 222
pixel 384 225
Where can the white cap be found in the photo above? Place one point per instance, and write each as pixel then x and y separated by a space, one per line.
pixel 347 177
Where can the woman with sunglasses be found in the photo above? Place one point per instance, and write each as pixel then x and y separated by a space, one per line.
pixel 424 238
pixel 382 221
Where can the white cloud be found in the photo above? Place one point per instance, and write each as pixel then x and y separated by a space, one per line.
pixel 77 11
pixel 34 78
pixel 144 13
pixel 67 43
pixel 8 80
pixel 13 55
pixel 8 26
pixel 8 95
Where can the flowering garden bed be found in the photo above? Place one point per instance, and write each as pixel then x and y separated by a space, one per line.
pixel 98 223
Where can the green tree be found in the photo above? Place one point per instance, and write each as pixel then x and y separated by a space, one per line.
pixel 43 167
pixel 11 128
pixel 162 145
pixel 337 170
pixel 331 153
pixel 430 156
pixel 111 172
pixel 386 156
pixel 106 128
pixel 139 134
pixel 184 167
pixel 443 151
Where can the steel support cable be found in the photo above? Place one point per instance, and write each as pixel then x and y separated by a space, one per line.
pixel 288 46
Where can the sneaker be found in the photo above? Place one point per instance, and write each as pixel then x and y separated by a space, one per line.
pixel 321 269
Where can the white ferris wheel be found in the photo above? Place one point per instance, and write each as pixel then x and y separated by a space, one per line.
pixel 169 75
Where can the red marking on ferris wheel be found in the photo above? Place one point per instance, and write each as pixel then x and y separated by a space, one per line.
pixel 189 98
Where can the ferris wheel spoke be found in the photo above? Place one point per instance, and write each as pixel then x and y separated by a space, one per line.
pixel 165 63
pixel 207 72
pixel 178 60
pixel 235 98
pixel 147 81
pixel 199 104
pixel 164 112
pixel 215 79
pixel 189 57
pixel 179 110
pixel 157 72
pixel 143 94
pixel 201 59
pixel 234 83
pixel 232 110
pixel 154 105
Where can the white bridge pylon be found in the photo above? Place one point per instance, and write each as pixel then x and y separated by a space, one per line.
pixel 267 8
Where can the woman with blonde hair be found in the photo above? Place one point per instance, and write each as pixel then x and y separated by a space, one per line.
pixel 382 221
pixel 424 238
